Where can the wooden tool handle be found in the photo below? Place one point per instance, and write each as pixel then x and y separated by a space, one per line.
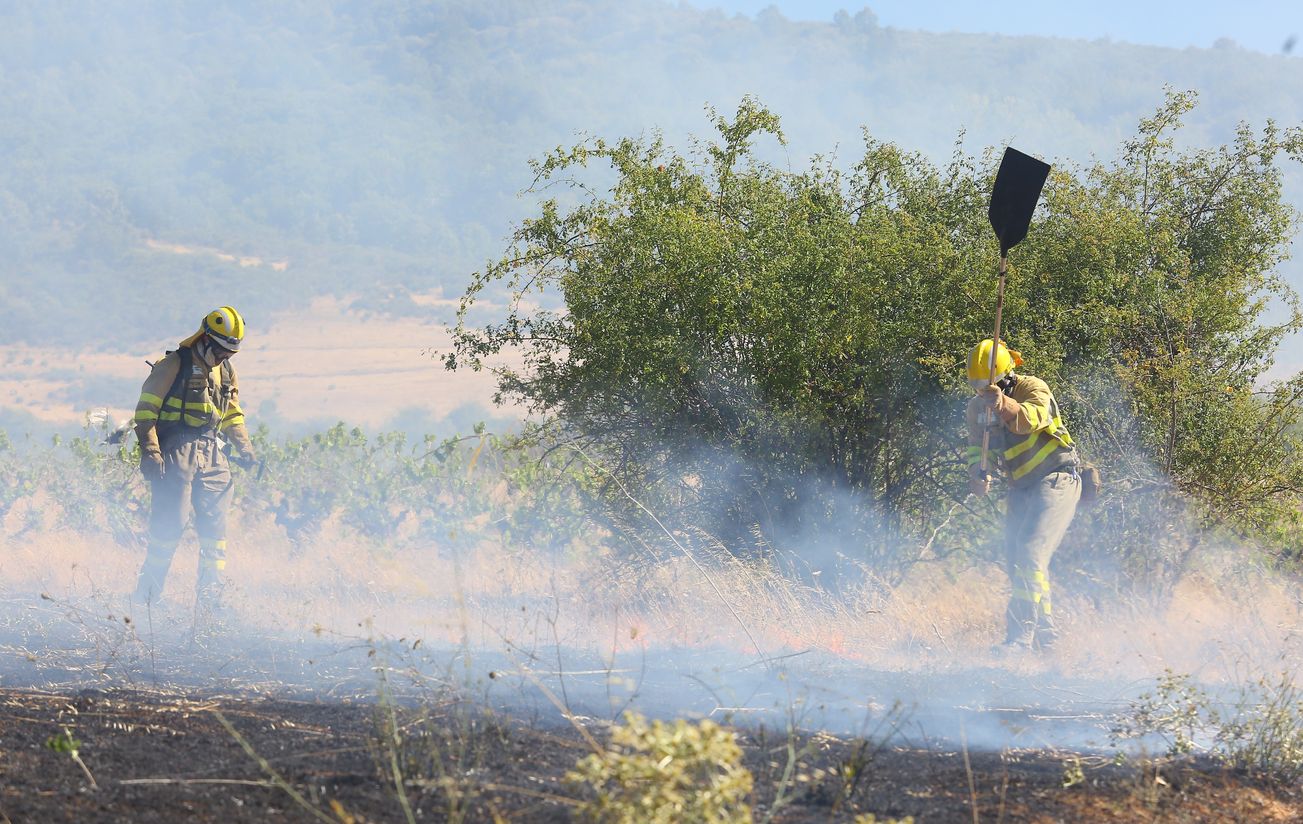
pixel 995 348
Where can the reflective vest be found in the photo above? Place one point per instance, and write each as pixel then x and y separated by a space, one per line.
pixel 198 401
pixel 1033 445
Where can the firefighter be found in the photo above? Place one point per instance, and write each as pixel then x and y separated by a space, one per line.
pixel 189 407
pixel 1029 442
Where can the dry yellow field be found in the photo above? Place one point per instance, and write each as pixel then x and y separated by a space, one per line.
pixel 326 363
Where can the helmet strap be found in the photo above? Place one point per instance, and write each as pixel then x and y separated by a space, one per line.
pixel 203 350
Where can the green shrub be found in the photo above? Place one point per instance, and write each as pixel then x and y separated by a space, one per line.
pixel 660 772
pixel 768 353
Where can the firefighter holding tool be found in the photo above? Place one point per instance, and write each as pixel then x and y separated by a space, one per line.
pixel 1018 418
pixel 1014 423
pixel 189 408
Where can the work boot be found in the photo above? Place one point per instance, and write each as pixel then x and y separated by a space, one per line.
pixel 1047 635
pixel 212 571
pixel 153 572
pixel 1019 632
pixel 210 601
pixel 1012 655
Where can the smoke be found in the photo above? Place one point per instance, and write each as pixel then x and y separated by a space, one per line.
pixel 479 578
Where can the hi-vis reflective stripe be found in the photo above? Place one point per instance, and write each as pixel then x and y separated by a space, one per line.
pixel 1023 594
pixel 1044 584
pixel 1035 588
pixel 233 418
pixel 1022 446
pixel 196 414
pixel 1045 451
pixel 1050 439
pixel 147 407
pixel 175 403
pixel 190 420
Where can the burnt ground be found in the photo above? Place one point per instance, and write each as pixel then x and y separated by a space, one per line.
pixel 159 755
pixel 240 726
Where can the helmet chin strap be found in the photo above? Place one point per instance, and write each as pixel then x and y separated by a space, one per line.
pixel 203 350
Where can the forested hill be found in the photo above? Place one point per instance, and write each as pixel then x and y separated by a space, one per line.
pixel 371 147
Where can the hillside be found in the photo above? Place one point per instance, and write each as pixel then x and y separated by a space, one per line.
pixel 377 148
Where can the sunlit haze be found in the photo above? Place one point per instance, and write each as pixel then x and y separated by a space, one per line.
pixel 1269 26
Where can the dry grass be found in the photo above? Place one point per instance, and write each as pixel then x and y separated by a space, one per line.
pixel 586 601
pixel 577 622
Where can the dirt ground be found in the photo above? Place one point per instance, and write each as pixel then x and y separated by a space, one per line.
pixel 158 755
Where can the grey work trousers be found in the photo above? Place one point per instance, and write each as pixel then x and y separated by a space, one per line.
pixel 195 474
pixel 1036 519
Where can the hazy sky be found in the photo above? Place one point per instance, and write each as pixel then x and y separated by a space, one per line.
pixel 1264 25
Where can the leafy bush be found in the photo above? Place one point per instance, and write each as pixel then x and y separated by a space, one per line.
pixel 384 488
pixel 98 485
pixel 772 354
pixel 17 477
pixel 380 488
pixel 666 773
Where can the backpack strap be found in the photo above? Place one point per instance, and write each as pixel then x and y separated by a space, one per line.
pixel 182 373
pixel 224 401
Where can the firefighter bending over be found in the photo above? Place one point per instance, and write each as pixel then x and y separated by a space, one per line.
pixel 1029 441
pixel 188 406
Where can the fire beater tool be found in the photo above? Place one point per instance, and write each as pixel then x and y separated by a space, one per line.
pixel 1017 188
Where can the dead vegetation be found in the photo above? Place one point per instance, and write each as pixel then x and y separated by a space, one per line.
pixel 158 755
pixel 462 676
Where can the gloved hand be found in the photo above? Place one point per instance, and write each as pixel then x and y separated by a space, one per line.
pixel 1004 407
pixel 979 482
pixel 151 465
pixel 245 461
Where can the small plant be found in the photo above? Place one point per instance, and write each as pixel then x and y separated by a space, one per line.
pixel 1265 735
pixel 870 818
pixel 1073 774
pixel 1261 731
pixel 63 742
pixel 660 772
pixel 854 767
pixel 1177 712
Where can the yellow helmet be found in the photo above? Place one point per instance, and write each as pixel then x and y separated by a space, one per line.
pixel 225 327
pixel 979 362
